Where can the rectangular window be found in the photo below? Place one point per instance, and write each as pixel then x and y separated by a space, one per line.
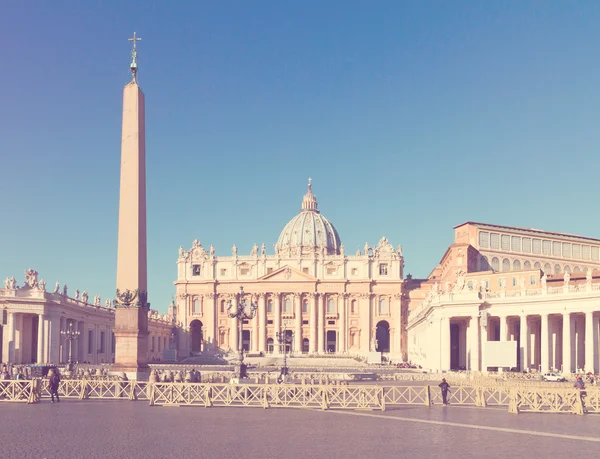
pixel 595 253
pixel 102 342
pixel 354 271
pixel 494 241
pixel 152 346
pixel 537 246
pixel 566 250
pixel 244 271
pixel 270 306
pixel 195 270
pixel 331 322
pixel 90 341
pixel 269 322
pixel 515 282
pixel 305 270
pixel 383 269
pixel 515 243
pixel 546 247
pixel 305 322
pixel 484 239
pixel 269 270
pixel 487 284
pixel 223 271
pixel 500 282
pixel 470 285
pixel 585 252
pixel 532 279
pixel 526 245
pixel 505 242
pixel 305 306
pixel 331 270
pixel 556 249
pixel 576 251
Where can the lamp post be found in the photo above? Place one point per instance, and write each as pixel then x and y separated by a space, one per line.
pixel 284 338
pixel 244 311
pixel 70 334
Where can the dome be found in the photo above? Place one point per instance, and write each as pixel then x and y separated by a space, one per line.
pixel 309 231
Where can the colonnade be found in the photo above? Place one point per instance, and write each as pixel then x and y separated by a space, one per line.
pixel 566 341
pixel 331 322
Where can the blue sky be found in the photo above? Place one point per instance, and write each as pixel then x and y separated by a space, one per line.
pixel 411 117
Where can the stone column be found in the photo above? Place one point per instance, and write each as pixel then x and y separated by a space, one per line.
pixel 473 339
pixel 566 343
pixel 544 343
pixel 396 346
pixel 321 324
pixel 589 341
pixel 54 340
pixel 276 322
pixel 484 339
pixel 445 343
pixel 40 339
pixel 8 339
pixel 209 309
pixel 262 323
pixel 342 300
pixel 298 328
pixel 255 328
pixel 503 328
pixel 524 342
pixel 233 325
pixel 313 323
pixel 364 307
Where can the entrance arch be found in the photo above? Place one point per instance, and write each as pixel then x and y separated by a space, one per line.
pixel 382 335
pixel 305 346
pixel 196 331
pixel 331 340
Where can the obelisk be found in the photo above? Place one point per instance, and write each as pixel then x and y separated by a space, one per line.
pixel 131 314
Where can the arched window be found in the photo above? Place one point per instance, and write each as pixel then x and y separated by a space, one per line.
pixel 576 269
pixel 353 307
pixel 537 265
pixel 567 269
pixel 305 305
pixel 526 265
pixel 383 306
pixel 196 306
pixel 505 265
pixel 270 306
pixel 287 305
pixel 547 268
pixel 331 306
pixel 495 264
pixel 516 265
pixel 556 269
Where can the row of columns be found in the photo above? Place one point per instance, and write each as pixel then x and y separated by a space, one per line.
pixel 541 345
pixel 317 327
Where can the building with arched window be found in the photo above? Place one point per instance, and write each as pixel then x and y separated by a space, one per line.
pixel 330 299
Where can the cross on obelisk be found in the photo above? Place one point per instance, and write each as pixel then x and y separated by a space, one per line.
pixel 133 65
pixel 131 306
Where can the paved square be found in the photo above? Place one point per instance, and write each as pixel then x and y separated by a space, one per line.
pixel 123 429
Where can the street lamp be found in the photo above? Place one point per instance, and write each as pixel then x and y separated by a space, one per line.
pixel 243 312
pixel 284 338
pixel 70 334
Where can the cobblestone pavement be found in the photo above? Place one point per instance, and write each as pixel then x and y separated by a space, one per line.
pixel 123 429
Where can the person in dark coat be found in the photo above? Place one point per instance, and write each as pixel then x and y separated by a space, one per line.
pixel 445 389
pixel 53 381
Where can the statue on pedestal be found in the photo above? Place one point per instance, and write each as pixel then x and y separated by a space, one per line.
pixel 56 288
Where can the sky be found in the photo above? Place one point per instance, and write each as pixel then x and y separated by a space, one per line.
pixel 410 117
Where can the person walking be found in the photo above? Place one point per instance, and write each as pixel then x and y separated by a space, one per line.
pixel 579 384
pixel 53 381
pixel 445 389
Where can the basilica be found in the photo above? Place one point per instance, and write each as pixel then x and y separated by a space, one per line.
pixel 325 300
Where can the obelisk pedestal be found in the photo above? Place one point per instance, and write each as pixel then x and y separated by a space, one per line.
pixel 132 307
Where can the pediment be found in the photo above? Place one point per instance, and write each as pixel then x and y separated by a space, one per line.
pixel 287 274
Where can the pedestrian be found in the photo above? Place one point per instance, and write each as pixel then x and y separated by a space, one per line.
pixel 20 376
pixel 579 384
pixel 53 381
pixel 445 389
pixel 5 374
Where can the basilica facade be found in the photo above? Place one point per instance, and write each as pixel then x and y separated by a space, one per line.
pixel 326 300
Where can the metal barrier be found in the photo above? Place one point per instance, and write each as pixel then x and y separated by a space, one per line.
pixel 324 396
